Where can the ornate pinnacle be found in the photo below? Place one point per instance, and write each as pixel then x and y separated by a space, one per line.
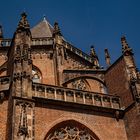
pixel 126 50
pixel 57 30
pixel 23 23
pixel 94 56
pixel 93 53
pixel 107 57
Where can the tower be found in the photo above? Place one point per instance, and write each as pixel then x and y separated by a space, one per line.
pixel 20 69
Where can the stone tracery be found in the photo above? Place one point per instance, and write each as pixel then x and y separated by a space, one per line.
pixel 70 130
pixel 70 133
pixel 80 85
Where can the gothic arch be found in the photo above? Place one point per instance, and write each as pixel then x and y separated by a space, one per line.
pixel 70 130
pixel 102 86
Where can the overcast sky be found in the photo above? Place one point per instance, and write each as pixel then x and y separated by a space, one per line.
pixel 83 22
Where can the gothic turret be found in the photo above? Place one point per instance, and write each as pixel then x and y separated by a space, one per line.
pixel 21 87
pixel 20 58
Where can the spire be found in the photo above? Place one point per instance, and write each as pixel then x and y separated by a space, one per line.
pixel 1 32
pixel 107 57
pixel 57 30
pixel 42 29
pixel 23 23
pixel 126 50
pixel 94 56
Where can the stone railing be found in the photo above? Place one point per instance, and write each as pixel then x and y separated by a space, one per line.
pixel 35 42
pixel 42 41
pixel 4 83
pixel 75 96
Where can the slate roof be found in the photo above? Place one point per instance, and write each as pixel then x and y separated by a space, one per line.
pixel 42 29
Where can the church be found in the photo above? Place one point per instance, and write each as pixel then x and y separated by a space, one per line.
pixel 51 90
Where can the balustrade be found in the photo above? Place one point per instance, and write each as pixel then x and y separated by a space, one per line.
pixel 42 41
pixel 35 42
pixel 75 96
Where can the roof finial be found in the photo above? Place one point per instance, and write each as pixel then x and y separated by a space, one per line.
pixel 126 50
pixel 107 57
pixel 44 17
pixel 23 23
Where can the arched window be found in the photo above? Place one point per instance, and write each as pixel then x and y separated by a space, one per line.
pixel 70 130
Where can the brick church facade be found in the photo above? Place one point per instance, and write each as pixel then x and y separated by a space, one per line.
pixel 51 90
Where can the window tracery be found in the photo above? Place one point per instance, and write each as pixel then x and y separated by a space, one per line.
pixel 79 84
pixel 70 133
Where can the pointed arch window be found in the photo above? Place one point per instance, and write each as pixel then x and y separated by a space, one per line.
pixel 70 130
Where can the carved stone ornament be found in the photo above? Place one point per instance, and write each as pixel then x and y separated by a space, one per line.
pixel 23 125
pixel 70 133
pixel 79 84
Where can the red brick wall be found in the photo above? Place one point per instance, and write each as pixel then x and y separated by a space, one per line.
pixel 46 67
pixel 117 83
pixel 132 121
pixel 106 128
pixel 3 119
